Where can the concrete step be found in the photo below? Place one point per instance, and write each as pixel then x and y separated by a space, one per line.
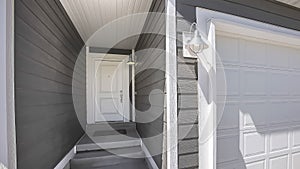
pixel 109 139
pixel 106 158
pixel 104 126
pixel 107 145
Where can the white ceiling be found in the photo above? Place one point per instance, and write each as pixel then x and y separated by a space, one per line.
pixel 102 23
pixel 295 3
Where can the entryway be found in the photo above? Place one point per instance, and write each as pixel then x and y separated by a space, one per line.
pixel 111 140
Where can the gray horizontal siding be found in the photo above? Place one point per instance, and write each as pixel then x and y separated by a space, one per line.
pixel 46 48
pixel 150 81
pixel 188 116
pixel 188 161
pixel 187 104
pixel 187 111
pixel 188 131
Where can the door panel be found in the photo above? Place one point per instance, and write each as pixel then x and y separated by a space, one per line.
pixel 259 128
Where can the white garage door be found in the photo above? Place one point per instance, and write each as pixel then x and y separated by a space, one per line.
pixel 260 127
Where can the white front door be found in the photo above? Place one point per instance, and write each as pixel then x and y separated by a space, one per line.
pixel 108 88
pixel 108 91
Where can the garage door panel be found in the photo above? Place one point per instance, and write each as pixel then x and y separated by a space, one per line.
pixel 294 84
pixel 296 138
pixel 254 53
pixel 294 111
pixel 279 82
pixel 229 119
pixel 279 141
pixel 232 81
pixel 255 113
pixel 294 58
pixel 232 165
pixel 229 148
pixel 254 144
pixel 295 160
pixel 280 162
pixel 278 56
pixel 227 49
pixel 256 165
pixel 278 112
pixel 254 82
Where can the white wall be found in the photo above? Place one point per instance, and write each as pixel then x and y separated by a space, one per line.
pixel 3 113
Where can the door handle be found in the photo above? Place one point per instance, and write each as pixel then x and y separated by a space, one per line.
pixel 121 96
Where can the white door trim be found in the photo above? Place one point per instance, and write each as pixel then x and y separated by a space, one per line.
pixel 208 23
pixel 90 58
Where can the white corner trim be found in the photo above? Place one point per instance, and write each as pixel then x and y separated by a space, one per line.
pixel 207 103
pixel 66 159
pixel 171 86
pixel 149 159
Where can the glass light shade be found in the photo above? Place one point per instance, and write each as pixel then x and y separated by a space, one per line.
pixel 196 44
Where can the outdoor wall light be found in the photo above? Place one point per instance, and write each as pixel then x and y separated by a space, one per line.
pixel 193 44
pixel 197 45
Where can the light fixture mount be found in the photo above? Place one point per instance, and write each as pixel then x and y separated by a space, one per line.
pixel 131 61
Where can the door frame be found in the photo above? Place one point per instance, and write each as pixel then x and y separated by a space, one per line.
pixel 209 22
pixel 90 58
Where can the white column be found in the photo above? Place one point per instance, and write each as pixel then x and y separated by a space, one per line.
pixel 171 85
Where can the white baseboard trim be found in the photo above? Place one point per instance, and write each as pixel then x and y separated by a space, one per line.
pixel 66 159
pixel 149 159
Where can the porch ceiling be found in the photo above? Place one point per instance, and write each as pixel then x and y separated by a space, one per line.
pixel 295 3
pixel 92 15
